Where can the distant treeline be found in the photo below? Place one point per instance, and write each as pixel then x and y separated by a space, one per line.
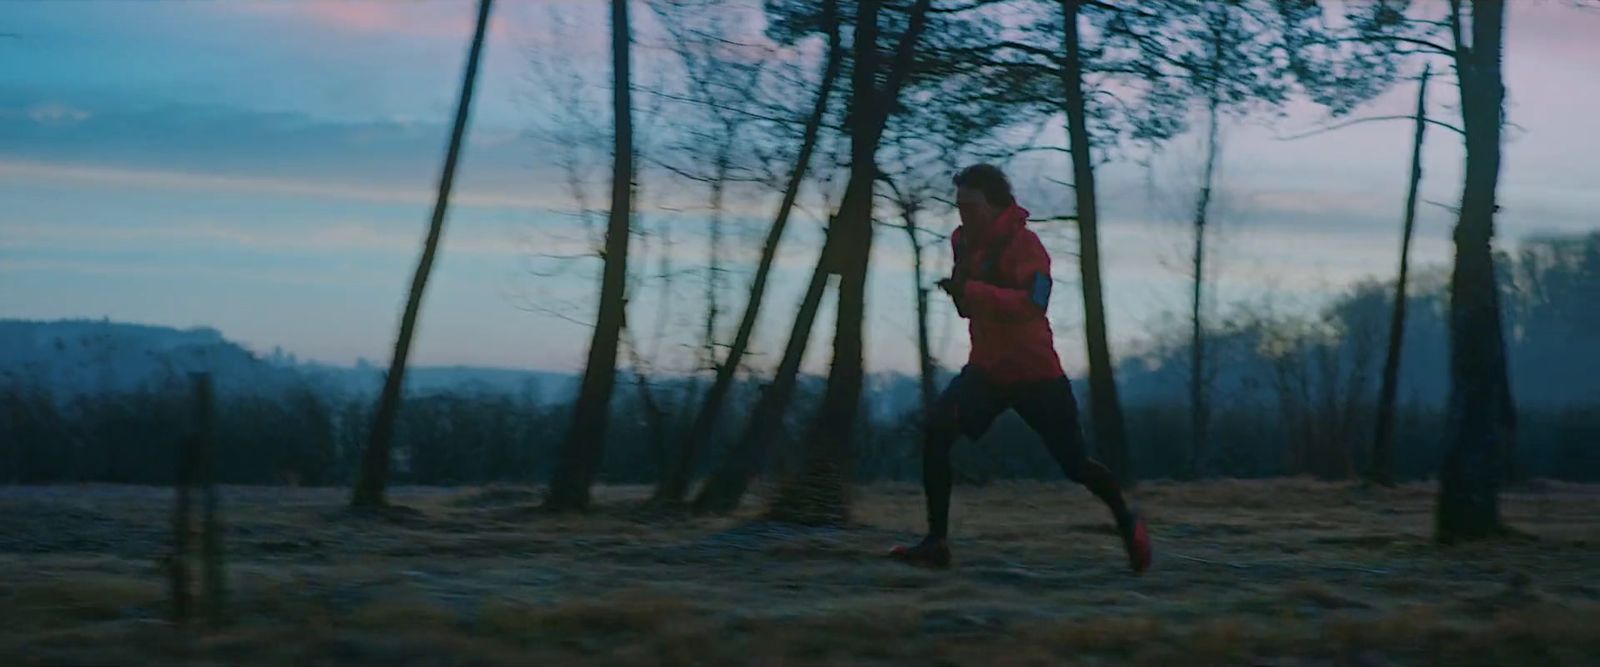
pixel 1292 395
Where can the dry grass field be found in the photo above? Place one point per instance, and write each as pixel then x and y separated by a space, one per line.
pixel 1286 572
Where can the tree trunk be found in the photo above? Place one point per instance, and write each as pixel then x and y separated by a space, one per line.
pixel 655 416
pixel 674 481
pixel 178 589
pixel 1199 411
pixel 373 481
pixel 1380 470
pixel 1105 408
pixel 1469 481
pixel 212 569
pixel 584 445
pixel 705 419
pixel 925 365
pixel 727 484
pixel 819 495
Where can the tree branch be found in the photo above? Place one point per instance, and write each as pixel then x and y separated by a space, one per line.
pixel 1431 46
pixel 976 4
pixel 1029 49
pixel 1455 30
pixel 1373 119
pixel 904 51
pixel 715 105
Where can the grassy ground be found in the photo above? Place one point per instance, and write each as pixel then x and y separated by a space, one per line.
pixel 1275 572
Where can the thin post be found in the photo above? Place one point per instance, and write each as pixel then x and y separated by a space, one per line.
pixel 211 583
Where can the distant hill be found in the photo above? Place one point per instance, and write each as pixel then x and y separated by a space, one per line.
pixel 75 358
pixel 72 358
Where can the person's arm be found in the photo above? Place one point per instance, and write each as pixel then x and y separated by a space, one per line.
pixel 1030 266
pixel 955 284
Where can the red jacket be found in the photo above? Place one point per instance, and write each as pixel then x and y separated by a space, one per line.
pixel 1005 298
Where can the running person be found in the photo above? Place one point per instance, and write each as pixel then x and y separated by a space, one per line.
pixel 1001 285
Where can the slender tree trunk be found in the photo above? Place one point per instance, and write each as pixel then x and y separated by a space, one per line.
pixel 178 562
pixel 1479 424
pixel 213 572
pixel 1381 471
pixel 584 445
pixel 818 495
pixel 714 252
pixel 727 484
pixel 373 481
pixel 710 410
pixel 925 364
pixel 1199 410
pixel 655 416
pixel 674 482
pixel 1105 407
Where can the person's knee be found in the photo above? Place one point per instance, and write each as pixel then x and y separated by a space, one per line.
pixel 1073 465
pixel 936 448
pixel 940 433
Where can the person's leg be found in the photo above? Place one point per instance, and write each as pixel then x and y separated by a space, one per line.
pixel 938 437
pixel 966 407
pixel 1050 410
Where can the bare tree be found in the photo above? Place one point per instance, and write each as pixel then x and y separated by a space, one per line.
pixel 1104 405
pixel 911 202
pixel 1199 410
pixel 1380 471
pixel 373 480
pixel 1320 374
pixel 818 495
pixel 722 76
pixel 582 448
pixel 1481 422
pixel 726 485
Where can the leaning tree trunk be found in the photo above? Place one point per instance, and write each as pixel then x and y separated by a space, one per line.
pixel 1469 481
pixel 582 449
pixel 729 481
pixel 819 494
pixel 1105 407
pixel 1381 469
pixel 674 481
pixel 374 479
pixel 705 419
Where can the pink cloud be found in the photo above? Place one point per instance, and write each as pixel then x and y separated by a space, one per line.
pixel 381 18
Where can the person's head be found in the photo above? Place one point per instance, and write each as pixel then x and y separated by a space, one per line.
pixel 982 194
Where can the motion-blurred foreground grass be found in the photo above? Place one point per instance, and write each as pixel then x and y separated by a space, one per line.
pixel 1271 572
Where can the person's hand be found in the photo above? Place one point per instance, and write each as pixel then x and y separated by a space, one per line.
pixel 956 288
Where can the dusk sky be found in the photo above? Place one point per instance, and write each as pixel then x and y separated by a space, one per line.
pixel 266 168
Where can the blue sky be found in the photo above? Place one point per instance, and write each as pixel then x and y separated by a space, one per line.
pixel 266 168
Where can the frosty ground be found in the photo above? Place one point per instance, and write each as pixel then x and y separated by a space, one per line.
pixel 1259 572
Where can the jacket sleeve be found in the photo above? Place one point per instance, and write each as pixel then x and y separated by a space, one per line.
pixel 955 271
pixel 1028 265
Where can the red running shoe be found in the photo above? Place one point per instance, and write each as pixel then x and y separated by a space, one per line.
pixel 929 553
pixel 1137 541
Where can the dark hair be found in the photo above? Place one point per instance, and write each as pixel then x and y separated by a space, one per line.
pixel 989 180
